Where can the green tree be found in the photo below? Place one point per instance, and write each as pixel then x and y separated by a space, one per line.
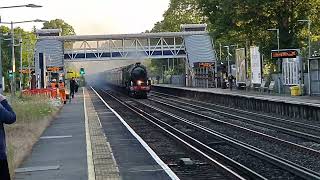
pixel 179 12
pixel 59 24
pixel 28 46
pixel 5 54
pixel 247 21
pixel 65 27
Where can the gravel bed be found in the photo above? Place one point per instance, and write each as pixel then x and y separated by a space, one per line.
pixel 302 157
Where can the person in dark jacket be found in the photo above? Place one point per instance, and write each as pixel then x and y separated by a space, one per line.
pixel 76 86
pixel 7 116
pixel 72 87
pixel 230 80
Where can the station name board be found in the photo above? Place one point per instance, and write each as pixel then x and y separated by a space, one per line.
pixel 285 54
pixel 54 69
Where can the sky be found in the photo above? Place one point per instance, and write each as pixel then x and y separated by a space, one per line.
pixel 90 16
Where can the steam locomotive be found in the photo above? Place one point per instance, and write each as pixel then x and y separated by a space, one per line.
pixel 133 78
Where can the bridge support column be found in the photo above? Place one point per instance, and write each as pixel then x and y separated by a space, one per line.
pixel 40 71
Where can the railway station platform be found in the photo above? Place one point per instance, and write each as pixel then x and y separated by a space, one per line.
pixel 88 140
pixel 60 152
pixel 306 107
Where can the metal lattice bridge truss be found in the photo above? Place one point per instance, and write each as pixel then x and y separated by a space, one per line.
pixel 125 46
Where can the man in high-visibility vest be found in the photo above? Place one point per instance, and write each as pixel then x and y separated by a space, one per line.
pixel 54 83
pixel 54 87
pixel 62 92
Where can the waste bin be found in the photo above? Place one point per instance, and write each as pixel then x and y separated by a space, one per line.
pixel 295 91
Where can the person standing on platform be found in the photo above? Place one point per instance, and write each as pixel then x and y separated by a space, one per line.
pixel 77 86
pixel 72 87
pixel 62 92
pixel 7 116
pixel 230 80
pixel 53 83
pixel 54 87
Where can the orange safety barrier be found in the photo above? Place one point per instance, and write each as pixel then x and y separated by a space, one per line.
pixel 51 92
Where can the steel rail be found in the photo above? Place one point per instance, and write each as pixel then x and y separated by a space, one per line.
pixel 279 128
pixel 239 127
pixel 227 170
pixel 300 124
pixel 277 161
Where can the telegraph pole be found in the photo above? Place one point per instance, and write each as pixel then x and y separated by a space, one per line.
pixel 1 83
pixel 20 65
pixel 13 84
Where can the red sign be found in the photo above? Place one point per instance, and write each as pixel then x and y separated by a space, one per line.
pixel 285 54
pixel 204 64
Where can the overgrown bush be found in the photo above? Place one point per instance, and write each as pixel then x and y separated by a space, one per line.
pixel 33 116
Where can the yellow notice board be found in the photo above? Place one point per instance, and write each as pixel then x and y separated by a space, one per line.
pixel 72 73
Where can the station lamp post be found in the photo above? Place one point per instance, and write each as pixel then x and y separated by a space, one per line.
pixel 1 82
pixel 228 57
pixel 12 49
pixel 26 5
pixel 309 36
pixel 278 36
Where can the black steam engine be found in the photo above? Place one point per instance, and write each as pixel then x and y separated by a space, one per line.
pixel 134 78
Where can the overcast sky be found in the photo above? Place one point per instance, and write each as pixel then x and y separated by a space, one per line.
pixel 90 16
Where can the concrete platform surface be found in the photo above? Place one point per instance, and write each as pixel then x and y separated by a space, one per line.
pixel 61 152
pixel 299 100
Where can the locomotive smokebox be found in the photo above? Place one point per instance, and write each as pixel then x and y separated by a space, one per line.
pixel 139 73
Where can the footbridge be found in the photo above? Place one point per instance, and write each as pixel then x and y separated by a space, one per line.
pixel 124 46
pixel 192 44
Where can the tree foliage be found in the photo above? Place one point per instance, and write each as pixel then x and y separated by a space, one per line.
pixel 245 22
pixel 59 24
pixel 66 28
pixel 241 21
pixel 28 46
pixel 179 12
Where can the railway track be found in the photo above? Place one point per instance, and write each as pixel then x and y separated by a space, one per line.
pixel 264 164
pixel 302 129
pixel 216 170
pixel 283 148
pixel 273 126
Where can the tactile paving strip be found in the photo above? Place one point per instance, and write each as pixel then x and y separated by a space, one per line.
pixel 105 166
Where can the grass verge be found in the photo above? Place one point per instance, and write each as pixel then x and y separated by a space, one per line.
pixel 34 114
